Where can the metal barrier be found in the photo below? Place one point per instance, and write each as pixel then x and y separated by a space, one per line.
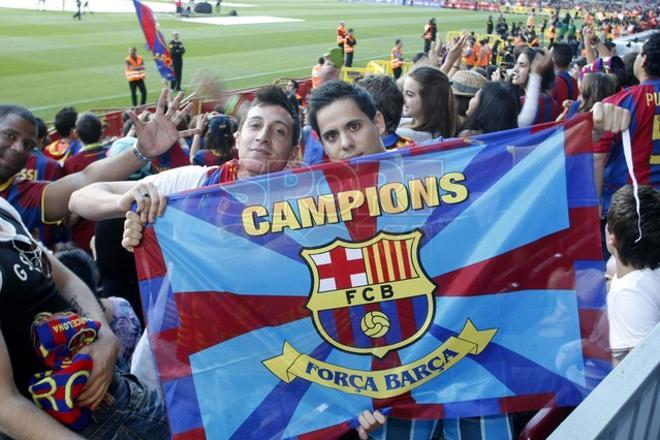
pixel 626 404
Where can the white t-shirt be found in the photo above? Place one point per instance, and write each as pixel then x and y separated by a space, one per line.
pixel 179 179
pixel 633 307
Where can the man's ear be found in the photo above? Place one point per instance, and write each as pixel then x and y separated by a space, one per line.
pixel 379 120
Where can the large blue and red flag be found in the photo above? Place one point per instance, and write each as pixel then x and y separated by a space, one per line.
pixel 155 41
pixel 458 279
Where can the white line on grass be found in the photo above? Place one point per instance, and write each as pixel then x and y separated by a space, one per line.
pixel 125 95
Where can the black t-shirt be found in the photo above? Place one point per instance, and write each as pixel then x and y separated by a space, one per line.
pixel 26 289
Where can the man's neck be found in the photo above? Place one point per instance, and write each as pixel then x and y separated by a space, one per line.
pixel 623 270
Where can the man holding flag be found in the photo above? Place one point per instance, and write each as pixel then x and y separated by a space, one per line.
pixel 156 43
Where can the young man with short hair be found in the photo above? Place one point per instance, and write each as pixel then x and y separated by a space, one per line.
pixel 633 302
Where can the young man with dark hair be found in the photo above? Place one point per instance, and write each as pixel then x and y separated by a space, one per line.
pixel 346 120
pixel 388 100
pixel 89 130
pixel 633 302
pixel 643 102
pixel 39 166
pixel 266 140
pixel 565 86
pixel 68 144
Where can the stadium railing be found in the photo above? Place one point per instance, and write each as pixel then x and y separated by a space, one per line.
pixel 625 404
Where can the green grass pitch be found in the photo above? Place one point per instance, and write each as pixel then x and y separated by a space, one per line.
pixel 48 60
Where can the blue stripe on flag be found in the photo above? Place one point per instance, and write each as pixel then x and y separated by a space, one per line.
pixel 219 208
pixel 158 302
pixel 590 284
pixel 540 380
pixel 336 407
pixel 280 404
pixel 481 406
pixel 582 189
pixel 228 367
pixel 404 169
pixel 327 319
pixel 541 202
pixel 182 401
pixel 393 335
pixel 421 308
pixel 356 314
pixel 215 260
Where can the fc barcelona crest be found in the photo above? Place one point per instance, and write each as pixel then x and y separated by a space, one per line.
pixel 370 297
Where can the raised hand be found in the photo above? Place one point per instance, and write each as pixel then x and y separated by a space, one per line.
pixel 160 133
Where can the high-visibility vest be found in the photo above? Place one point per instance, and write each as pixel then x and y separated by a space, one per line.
pixel 485 55
pixel 396 57
pixel 341 34
pixel 134 69
pixel 428 32
pixel 348 48
pixel 471 60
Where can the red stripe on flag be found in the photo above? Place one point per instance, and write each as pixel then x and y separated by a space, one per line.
pixel 165 349
pixel 526 403
pixel 335 431
pixel 148 257
pixel 406 317
pixel 383 262
pixel 200 328
pixel 372 264
pixel 406 260
pixel 374 307
pixel 391 360
pixel 594 329
pixel 543 264
pixel 408 409
pixel 344 176
pixel 193 434
pixel 577 135
pixel 395 260
pixel 344 327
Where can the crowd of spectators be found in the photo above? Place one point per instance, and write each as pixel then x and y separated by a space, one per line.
pixel 73 195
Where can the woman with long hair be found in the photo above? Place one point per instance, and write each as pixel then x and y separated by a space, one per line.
pixel 428 105
pixel 494 108
pixel 534 75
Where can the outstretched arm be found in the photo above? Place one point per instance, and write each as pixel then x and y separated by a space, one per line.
pixel 154 138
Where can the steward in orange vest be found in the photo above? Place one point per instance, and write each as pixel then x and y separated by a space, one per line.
pixel 341 35
pixel 396 58
pixel 349 42
pixel 430 30
pixel 135 74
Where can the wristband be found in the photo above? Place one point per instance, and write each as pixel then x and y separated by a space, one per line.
pixel 139 155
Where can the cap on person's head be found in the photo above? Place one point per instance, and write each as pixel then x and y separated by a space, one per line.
pixel 597 66
pixel 467 83
pixel 220 127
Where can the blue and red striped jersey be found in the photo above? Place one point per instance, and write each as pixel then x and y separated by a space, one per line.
pixel 87 155
pixel 565 87
pixel 642 102
pixel 40 167
pixel 26 196
pixel 209 158
pixel 547 110
pixel 83 230
pixel 225 173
